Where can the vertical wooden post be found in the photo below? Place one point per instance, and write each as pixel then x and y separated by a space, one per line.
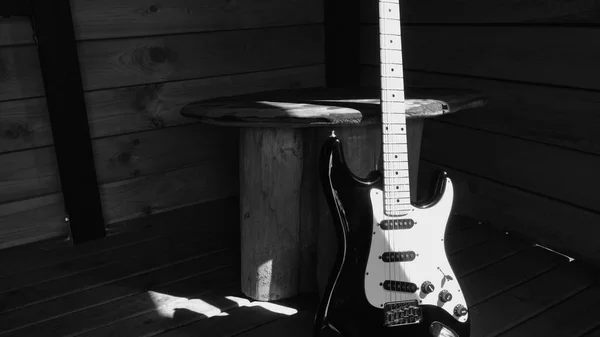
pixel 59 61
pixel 271 162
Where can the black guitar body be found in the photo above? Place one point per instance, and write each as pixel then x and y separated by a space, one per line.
pixel 344 310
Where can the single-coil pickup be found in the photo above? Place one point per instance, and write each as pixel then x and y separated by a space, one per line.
pixel 398 256
pixel 405 287
pixel 389 224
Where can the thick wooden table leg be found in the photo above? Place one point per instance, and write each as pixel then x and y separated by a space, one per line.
pixel 270 179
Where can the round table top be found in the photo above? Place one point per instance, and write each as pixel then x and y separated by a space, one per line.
pixel 314 107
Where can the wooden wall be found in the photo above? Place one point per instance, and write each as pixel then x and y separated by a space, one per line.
pixel 141 62
pixel 528 162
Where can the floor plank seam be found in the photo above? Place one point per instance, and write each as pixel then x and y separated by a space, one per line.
pixel 526 318
pixel 506 257
pixel 595 329
pixel 463 248
pixel 88 256
pixel 112 300
pixel 23 285
pixel 528 279
pixel 73 250
pixel 153 309
pixel 266 323
pixel 117 279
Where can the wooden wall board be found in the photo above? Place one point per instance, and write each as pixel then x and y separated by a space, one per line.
pixel 522 12
pixel 127 199
pixel 135 61
pixel 24 123
pixel 558 173
pixel 107 19
pixel 523 111
pixel 528 54
pixel 529 299
pixel 34 172
pixel 32 220
pixel 169 190
pixel 572 317
pixel 29 259
pixel 528 215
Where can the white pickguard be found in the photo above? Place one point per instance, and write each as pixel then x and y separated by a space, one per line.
pixel 425 238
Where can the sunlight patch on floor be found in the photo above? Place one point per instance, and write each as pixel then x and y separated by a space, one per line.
pixel 276 308
pixel 166 305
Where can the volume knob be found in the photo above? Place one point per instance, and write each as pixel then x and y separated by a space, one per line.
pixel 427 287
pixel 460 310
pixel 445 296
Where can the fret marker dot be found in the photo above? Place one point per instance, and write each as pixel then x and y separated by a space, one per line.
pixel 395 156
pixel 392 69
pixel 396 172
pixel 397 187
pixel 393 95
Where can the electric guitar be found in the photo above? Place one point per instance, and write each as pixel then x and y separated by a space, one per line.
pixel 391 276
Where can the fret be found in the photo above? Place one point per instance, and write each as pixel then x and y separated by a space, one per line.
pixel 390 56
pixel 393 115
pixel 396 194
pixel 389 26
pixel 389 10
pixel 392 70
pixel 395 149
pixel 400 181
pixel 392 96
pixel 397 129
pixel 392 83
pixel 399 188
pixel 397 209
pixel 395 165
pixel 397 180
pixel 395 173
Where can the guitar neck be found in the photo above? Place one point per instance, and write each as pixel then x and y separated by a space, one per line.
pixel 395 149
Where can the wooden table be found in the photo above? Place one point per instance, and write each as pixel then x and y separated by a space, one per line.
pixel 280 197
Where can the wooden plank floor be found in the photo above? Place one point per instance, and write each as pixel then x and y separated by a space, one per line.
pixel 183 280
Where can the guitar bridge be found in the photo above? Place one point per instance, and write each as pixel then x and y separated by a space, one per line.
pixel 402 313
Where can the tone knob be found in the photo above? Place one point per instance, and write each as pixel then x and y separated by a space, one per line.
pixel 427 287
pixel 460 310
pixel 445 296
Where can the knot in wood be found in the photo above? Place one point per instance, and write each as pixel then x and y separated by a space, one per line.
pixel 158 54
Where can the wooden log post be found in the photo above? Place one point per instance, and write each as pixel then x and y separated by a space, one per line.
pixel 270 182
